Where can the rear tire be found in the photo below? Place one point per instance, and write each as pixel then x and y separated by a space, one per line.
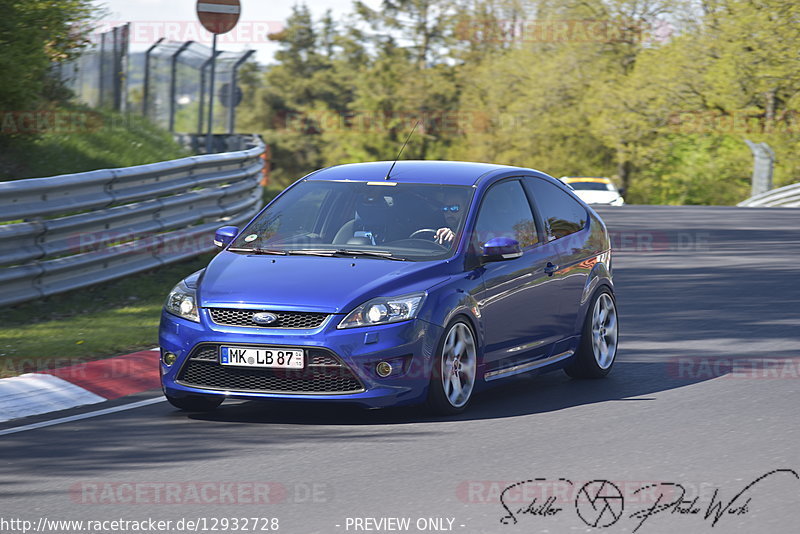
pixel 599 338
pixel 195 403
pixel 455 367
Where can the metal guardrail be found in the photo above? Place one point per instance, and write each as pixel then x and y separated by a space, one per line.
pixel 75 230
pixel 783 197
pixel 196 143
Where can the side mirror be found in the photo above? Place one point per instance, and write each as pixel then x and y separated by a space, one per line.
pixel 501 249
pixel 225 235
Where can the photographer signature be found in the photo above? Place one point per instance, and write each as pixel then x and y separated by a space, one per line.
pixel 600 503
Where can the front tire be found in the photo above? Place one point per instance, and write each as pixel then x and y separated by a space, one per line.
pixel 195 403
pixel 599 339
pixel 454 369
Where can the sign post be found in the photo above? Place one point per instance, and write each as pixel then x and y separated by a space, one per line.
pixel 216 16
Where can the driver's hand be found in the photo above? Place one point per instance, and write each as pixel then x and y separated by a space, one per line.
pixel 444 235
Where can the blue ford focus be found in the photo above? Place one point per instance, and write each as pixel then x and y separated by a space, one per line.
pixel 420 284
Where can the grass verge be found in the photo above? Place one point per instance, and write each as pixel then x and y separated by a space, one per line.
pixel 109 319
pixel 79 139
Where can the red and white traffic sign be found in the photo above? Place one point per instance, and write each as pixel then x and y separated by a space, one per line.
pixel 218 16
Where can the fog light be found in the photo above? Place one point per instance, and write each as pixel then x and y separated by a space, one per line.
pixel 169 358
pixel 383 369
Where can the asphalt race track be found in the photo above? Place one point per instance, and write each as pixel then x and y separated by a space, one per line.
pixel 696 430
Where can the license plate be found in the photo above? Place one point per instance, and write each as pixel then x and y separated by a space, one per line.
pixel 268 357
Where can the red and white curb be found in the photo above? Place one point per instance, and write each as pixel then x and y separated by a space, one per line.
pixel 78 385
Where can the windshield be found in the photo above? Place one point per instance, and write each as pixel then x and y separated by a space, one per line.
pixel 373 219
pixel 591 186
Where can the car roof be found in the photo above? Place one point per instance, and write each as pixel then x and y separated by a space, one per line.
pixel 414 171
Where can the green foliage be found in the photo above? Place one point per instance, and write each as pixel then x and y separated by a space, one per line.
pixel 89 140
pixel 694 169
pixel 659 95
pixel 33 35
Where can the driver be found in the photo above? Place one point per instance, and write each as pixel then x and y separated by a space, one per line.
pixel 452 217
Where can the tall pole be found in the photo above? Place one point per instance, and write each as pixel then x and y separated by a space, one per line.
pixel 102 69
pixel 211 94
pixel 201 113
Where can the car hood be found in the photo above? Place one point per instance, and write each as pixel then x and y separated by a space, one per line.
pixel 597 197
pixel 323 284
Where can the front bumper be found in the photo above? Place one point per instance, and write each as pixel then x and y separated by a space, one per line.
pixel 358 350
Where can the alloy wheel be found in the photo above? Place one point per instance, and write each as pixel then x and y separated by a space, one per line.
pixel 604 331
pixel 459 363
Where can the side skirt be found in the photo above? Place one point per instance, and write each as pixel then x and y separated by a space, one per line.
pixel 525 367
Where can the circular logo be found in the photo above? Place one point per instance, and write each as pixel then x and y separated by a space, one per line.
pixel 264 318
pixel 599 503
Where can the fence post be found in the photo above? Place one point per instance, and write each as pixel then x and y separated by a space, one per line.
pixel 146 88
pixel 102 70
pixel 232 92
pixel 763 163
pixel 121 44
pixel 202 112
pixel 173 82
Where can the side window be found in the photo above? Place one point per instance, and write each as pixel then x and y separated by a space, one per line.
pixel 562 214
pixel 505 212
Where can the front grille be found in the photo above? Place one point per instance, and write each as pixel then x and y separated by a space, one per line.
pixel 286 319
pixel 324 373
pixel 206 352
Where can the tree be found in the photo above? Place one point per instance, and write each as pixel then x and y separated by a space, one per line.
pixel 34 34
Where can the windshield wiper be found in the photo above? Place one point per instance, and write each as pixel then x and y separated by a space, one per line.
pixel 321 252
pixel 373 253
pixel 349 252
pixel 326 253
pixel 259 251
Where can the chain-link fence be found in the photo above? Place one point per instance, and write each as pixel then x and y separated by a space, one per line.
pixel 170 83
pixel 177 87
pixel 98 75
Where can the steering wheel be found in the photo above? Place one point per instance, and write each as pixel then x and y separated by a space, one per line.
pixel 423 230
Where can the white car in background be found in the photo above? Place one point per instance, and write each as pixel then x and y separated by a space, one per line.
pixel 595 190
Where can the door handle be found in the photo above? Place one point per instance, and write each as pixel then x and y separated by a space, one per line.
pixel 550 269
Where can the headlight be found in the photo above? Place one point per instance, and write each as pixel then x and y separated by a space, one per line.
pixel 384 310
pixel 182 302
